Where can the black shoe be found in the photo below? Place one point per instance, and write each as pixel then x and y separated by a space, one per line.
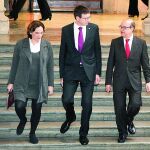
pixel 144 17
pixel 20 127
pixel 122 138
pixel 12 18
pixel 66 125
pixel 33 139
pixel 44 19
pixel 131 128
pixel 83 140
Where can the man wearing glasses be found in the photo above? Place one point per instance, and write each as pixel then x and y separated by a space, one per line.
pixel 127 55
pixel 80 63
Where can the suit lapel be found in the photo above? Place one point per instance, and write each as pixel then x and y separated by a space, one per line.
pixel 122 47
pixel 87 38
pixel 133 47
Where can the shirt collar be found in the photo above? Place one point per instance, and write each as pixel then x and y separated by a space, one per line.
pixel 77 26
pixel 130 38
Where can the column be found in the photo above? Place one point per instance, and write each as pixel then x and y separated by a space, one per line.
pixel 4 21
pixel 146 22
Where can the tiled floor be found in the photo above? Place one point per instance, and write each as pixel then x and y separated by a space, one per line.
pixel 108 24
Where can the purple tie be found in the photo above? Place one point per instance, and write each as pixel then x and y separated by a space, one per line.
pixel 80 40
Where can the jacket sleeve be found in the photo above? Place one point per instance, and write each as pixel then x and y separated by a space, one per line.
pixel 62 54
pixel 50 66
pixel 145 63
pixel 110 64
pixel 98 52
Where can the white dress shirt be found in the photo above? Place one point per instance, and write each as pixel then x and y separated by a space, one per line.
pixel 130 41
pixel 76 33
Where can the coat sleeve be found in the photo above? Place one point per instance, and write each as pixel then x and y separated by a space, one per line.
pixel 14 65
pixel 145 63
pixel 110 64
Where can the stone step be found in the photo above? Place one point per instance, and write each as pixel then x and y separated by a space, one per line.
pixel 6 68
pixel 55 47
pixel 8 61
pixel 99 99
pixel 78 95
pixel 72 143
pixel 52 129
pixel 58 88
pixel 5 74
pixel 99 113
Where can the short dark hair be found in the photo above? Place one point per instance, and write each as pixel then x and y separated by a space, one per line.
pixel 79 10
pixel 32 26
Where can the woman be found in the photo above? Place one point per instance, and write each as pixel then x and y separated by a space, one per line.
pixel 31 76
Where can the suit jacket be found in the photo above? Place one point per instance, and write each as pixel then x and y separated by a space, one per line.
pixel 20 69
pixel 70 58
pixel 132 67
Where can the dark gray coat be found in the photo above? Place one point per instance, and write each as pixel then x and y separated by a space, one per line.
pixel 19 73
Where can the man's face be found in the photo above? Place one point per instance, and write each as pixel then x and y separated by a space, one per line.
pixel 126 29
pixel 84 20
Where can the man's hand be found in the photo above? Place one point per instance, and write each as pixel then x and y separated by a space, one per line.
pixel 61 82
pixel 97 80
pixel 108 88
pixel 50 90
pixel 148 87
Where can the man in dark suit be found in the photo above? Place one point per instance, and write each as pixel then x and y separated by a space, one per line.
pixel 133 8
pixel 43 5
pixel 126 57
pixel 79 64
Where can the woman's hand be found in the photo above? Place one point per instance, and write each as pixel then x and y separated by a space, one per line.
pixel 10 87
pixel 50 90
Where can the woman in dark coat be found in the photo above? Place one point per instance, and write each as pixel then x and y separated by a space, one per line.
pixel 31 76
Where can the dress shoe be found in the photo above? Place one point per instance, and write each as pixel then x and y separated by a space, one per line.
pixel 83 140
pixel 44 19
pixel 33 139
pixel 66 125
pixel 131 128
pixel 20 127
pixel 122 138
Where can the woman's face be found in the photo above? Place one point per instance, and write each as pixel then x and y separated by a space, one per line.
pixel 37 34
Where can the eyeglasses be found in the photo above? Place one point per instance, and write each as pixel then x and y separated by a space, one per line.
pixel 124 27
pixel 87 18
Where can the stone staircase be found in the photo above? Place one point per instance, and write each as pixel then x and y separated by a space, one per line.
pixel 102 134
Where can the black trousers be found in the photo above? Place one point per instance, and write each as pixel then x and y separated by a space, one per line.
pixel 20 108
pixel 69 89
pixel 43 5
pixel 124 112
pixel 133 8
